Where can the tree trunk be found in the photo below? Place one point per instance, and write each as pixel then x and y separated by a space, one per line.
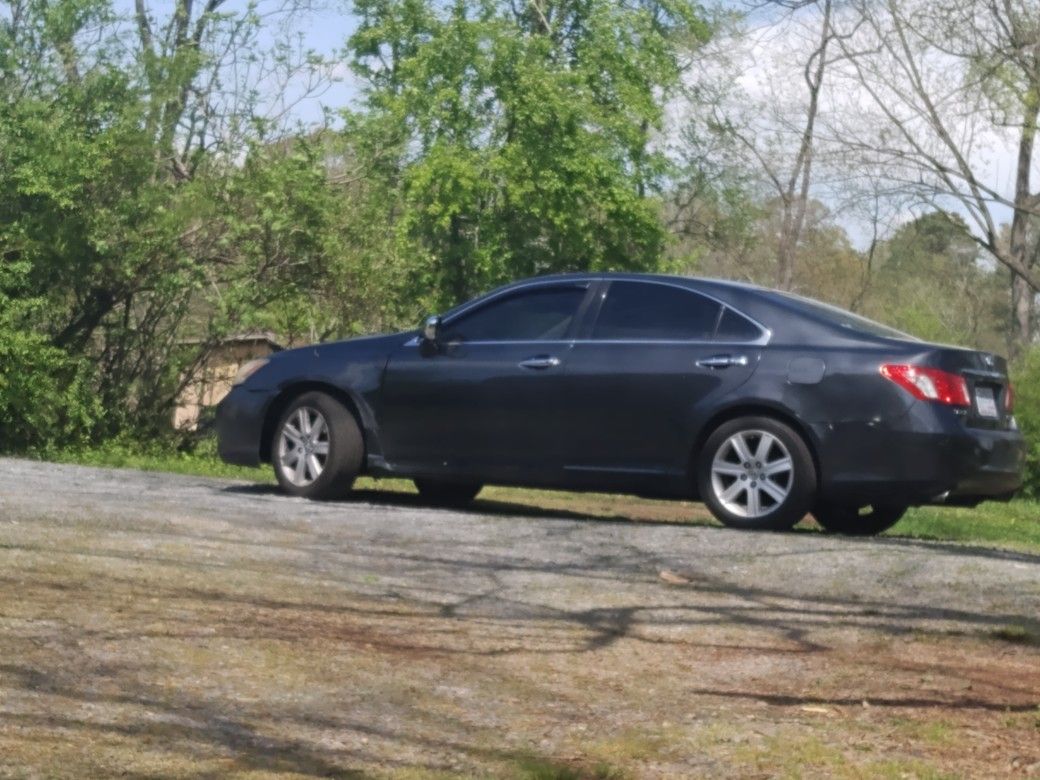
pixel 1022 294
pixel 796 197
pixel 1023 303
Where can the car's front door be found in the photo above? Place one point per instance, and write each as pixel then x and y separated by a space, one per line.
pixel 489 402
pixel 638 378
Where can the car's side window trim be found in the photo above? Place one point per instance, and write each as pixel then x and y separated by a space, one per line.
pixel 579 284
pixel 765 334
pixel 589 309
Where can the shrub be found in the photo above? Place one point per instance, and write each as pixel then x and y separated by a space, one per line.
pixel 47 398
pixel 1026 377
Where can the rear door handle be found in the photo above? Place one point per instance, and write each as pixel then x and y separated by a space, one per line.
pixel 723 361
pixel 540 362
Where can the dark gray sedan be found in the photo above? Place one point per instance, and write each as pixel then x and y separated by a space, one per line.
pixel 762 404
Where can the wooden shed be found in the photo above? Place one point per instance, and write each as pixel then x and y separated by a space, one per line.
pixel 214 377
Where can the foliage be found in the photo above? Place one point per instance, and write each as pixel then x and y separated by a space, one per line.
pixel 929 281
pixel 1026 377
pixel 520 137
pixel 45 396
pixel 141 244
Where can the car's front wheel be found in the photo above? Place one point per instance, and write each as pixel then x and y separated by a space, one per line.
pixel 756 473
pixel 853 521
pixel 443 493
pixel 317 448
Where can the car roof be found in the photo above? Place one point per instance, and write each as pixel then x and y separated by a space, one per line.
pixel 637 276
pixel 733 293
pixel 786 316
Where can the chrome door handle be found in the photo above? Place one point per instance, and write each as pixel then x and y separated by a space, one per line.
pixel 723 361
pixel 540 362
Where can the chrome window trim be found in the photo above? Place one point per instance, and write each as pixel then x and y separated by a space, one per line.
pixel 764 339
pixel 414 342
pixel 491 297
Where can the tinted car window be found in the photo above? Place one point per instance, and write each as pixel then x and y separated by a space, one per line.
pixel 647 311
pixel 537 315
pixel 846 319
pixel 736 327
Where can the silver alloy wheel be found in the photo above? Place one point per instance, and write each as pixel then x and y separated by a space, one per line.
pixel 303 446
pixel 752 473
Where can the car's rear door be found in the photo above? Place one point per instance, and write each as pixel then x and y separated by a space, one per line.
pixel 490 402
pixel 651 358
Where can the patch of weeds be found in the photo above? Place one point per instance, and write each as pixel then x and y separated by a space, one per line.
pixel 638 745
pixel 789 757
pixel 936 732
pixel 899 770
pixel 538 768
pixel 1015 633
pixel 422 774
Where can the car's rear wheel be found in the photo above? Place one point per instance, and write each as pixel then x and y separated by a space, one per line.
pixel 857 521
pixel 318 448
pixel 443 493
pixel 756 473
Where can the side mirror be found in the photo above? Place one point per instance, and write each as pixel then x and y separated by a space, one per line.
pixel 432 329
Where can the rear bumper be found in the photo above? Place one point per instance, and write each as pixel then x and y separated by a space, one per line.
pixel 928 456
pixel 240 424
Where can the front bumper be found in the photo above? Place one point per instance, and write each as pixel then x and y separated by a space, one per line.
pixel 928 456
pixel 240 425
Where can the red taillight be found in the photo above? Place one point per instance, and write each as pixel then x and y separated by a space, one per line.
pixel 1009 398
pixel 929 384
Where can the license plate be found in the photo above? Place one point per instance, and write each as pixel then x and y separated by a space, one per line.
pixel 985 402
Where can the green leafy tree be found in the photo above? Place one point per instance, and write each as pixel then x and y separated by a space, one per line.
pixel 517 139
pixel 145 197
pixel 1026 376
pixel 46 398
pixel 932 282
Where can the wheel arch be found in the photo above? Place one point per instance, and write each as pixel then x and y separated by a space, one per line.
pixel 289 394
pixel 753 409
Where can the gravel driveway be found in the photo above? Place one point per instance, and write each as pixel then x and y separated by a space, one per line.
pixel 166 625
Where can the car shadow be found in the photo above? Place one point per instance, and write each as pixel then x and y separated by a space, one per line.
pixel 511 509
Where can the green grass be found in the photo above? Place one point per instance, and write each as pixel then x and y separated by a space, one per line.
pixel 1015 525
pixel 204 463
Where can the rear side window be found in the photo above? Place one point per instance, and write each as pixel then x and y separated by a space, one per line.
pixel 543 314
pixel 644 311
pixel 846 319
pixel 736 327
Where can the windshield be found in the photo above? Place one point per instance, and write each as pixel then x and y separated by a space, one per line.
pixel 848 320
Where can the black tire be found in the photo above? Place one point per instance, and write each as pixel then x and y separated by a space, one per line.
pixel 850 521
pixel 435 491
pixel 345 448
pixel 799 479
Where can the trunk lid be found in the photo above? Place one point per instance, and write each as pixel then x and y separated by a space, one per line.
pixel 988 385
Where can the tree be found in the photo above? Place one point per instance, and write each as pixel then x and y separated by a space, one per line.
pixel 946 81
pixel 932 280
pixel 773 116
pixel 143 191
pixel 518 138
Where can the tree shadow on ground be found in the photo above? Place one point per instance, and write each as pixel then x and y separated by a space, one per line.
pixel 436 603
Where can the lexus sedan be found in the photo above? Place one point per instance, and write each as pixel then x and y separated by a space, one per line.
pixel 764 405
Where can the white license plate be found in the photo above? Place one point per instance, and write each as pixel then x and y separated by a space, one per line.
pixel 985 402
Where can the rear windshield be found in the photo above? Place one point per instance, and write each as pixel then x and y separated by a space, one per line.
pixel 846 319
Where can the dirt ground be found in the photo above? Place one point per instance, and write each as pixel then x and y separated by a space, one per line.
pixel 162 626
